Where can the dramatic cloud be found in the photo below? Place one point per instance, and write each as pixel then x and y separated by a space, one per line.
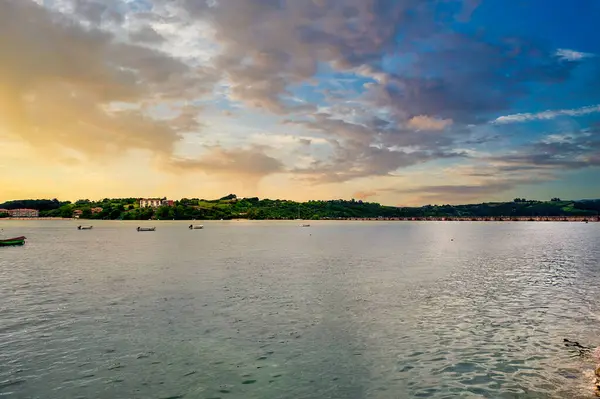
pixel 322 91
pixel 64 99
pixel 268 45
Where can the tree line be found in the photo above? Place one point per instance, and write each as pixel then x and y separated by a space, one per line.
pixel 232 207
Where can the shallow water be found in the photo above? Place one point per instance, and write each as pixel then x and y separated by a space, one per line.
pixel 271 310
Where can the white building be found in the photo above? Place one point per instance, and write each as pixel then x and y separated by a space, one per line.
pixel 155 202
pixel 24 213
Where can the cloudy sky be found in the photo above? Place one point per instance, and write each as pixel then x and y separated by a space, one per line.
pixel 402 102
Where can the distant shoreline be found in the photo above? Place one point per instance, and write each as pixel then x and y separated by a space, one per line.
pixel 578 219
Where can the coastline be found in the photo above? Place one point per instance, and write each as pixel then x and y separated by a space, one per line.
pixel 578 219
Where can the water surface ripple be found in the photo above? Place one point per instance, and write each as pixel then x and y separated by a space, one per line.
pixel 270 310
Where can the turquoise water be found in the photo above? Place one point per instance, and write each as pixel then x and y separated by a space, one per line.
pixel 272 310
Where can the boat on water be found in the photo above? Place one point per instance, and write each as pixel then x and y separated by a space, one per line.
pixel 196 227
pixel 146 228
pixel 85 227
pixel 305 225
pixel 12 241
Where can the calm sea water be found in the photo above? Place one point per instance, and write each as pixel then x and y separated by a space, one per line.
pixel 272 310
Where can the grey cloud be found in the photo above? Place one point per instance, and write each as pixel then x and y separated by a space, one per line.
pixel 98 11
pixel 462 193
pixel 473 78
pixel 352 161
pixel 271 44
pixel 535 163
pixel 146 34
pixel 373 147
pixel 573 152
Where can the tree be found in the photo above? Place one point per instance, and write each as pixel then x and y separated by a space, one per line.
pixel 115 213
pixel 555 199
pixel 66 212
pixel 164 212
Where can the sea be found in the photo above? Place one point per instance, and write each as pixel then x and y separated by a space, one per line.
pixel 253 309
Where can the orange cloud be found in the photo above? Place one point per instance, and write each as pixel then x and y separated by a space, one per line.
pixel 424 122
pixel 59 80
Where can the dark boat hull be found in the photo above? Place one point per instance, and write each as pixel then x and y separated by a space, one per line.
pixel 9 242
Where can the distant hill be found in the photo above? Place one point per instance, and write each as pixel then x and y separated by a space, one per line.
pixel 231 207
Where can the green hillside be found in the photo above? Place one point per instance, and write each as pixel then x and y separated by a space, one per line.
pixel 231 207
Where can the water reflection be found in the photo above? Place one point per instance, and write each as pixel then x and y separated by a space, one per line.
pixel 261 310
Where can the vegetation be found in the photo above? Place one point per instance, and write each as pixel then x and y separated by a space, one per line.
pixel 231 207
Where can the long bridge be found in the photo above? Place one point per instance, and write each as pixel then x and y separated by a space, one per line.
pixel 581 219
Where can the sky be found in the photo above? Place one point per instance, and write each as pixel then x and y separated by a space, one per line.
pixel 406 102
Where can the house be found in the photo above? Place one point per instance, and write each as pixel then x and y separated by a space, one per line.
pixel 155 202
pixel 24 213
pixel 150 202
pixel 96 210
pixel 77 213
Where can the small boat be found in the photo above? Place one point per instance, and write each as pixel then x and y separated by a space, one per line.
pixel 12 241
pixel 146 228
pixel 85 227
pixel 305 225
pixel 197 227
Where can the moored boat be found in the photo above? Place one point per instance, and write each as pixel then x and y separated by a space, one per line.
pixel 146 228
pixel 12 241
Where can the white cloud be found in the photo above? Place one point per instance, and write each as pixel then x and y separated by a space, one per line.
pixel 545 115
pixel 571 55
